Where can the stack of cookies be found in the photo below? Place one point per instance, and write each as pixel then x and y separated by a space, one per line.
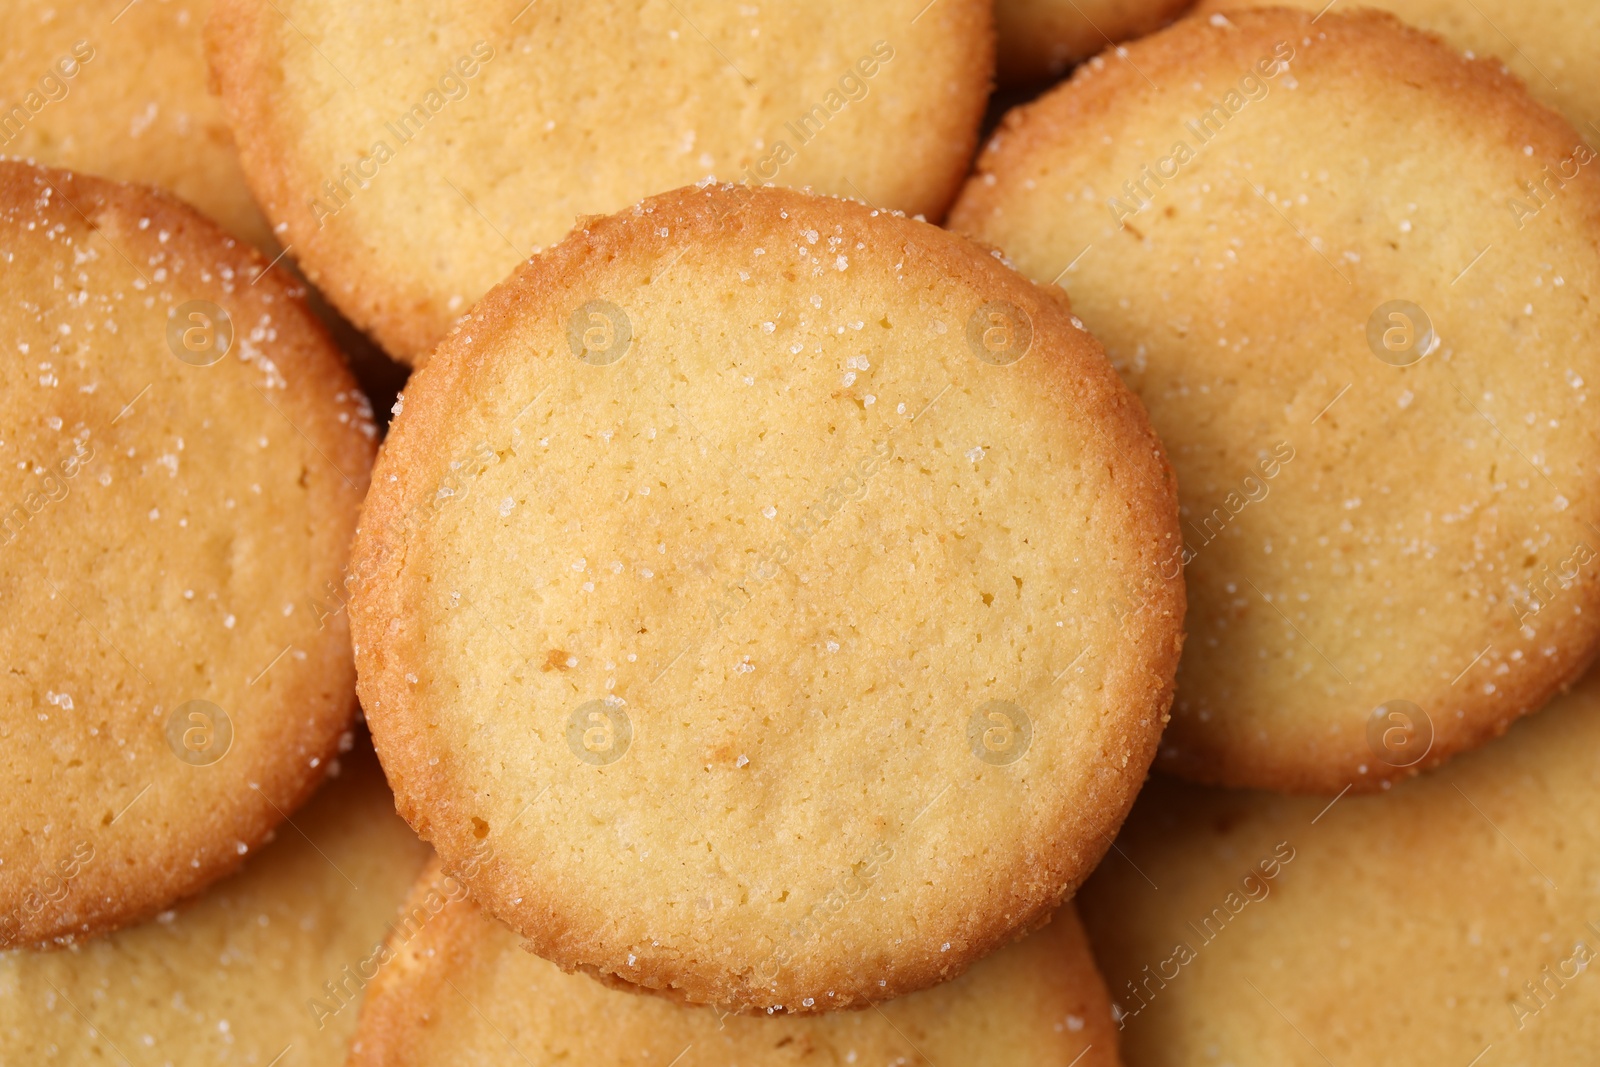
pixel 824 593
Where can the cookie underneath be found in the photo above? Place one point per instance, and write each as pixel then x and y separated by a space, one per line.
pixel 1549 44
pixel 117 89
pixel 182 456
pixel 1374 380
pixel 273 959
pixel 1040 39
pixel 784 589
pixel 1284 925
pixel 415 159
pixel 460 988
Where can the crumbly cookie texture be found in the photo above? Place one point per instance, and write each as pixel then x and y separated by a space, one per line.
pixel 1283 924
pixel 1549 44
pixel 460 988
pixel 414 159
pixel 1349 273
pixel 276 957
pixel 1041 39
pixel 119 90
pixel 784 589
pixel 182 458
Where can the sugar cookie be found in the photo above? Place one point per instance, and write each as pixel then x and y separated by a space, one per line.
pixel 414 159
pixel 271 962
pixel 457 987
pixel 738 571
pixel 182 457
pixel 1550 44
pixel 1421 926
pixel 1349 273
pixel 118 89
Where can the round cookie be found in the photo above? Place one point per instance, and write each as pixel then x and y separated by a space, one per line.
pixel 1420 926
pixel 271 962
pixel 1039 39
pixel 182 457
pixel 1549 44
pixel 119 90
pixel 458 987
pixel 414 160
pixel 1373 378
pixel 739 570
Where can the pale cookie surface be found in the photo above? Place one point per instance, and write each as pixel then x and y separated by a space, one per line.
pixel 460 989
pixel 1550 44
pixel 1314 253
pixel 241 974
pixel 1039 39
pixel 119 90
pixel 1421 926
pixel 177 495
pixel 415 157
pixel 740 572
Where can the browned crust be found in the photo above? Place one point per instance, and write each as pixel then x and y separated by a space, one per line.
pixel 1498 100
pixel 969 97
pixel 414 982
pixel 1040 39
pixel 245 74
pixel 1412 905
pixel 397 1003
pixel 1079 982
pixel 244 69
pixel 1085 101
pixel 1071 364
pixel 106 895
